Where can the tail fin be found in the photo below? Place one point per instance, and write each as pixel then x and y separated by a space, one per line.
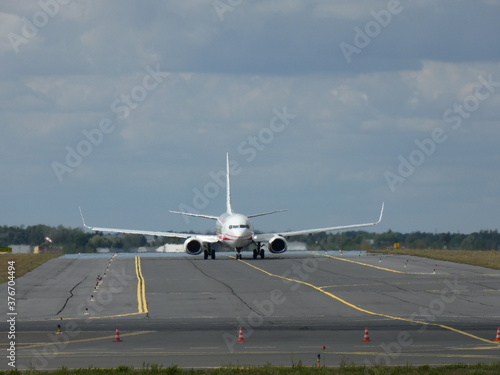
pixel 229 209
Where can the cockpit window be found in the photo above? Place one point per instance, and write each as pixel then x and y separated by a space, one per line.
pixel 239 226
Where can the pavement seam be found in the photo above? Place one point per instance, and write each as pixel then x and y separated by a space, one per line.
pixel 227 286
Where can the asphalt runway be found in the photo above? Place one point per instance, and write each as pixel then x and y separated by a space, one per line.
pixel 173 309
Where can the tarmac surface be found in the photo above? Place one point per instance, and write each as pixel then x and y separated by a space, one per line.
pixel 175 309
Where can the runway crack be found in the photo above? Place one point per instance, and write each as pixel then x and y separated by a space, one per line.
pixel 70 295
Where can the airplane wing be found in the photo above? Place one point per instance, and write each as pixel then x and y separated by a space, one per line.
pixel 202 237
pixel 268 236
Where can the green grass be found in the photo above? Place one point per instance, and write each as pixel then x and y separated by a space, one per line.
pixel 457 369
pixel 488 259
pixel 24 263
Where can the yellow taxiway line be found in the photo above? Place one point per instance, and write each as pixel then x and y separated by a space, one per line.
pixel 320 289
pixel 40 344
pixel 377 267
pixel 142 303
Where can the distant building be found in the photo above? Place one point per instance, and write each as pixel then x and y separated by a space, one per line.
pixel 21 249
pixel 296 245
pixel 171 248
pixel 42 249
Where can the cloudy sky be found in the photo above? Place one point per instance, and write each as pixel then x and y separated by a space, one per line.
pixel 327 108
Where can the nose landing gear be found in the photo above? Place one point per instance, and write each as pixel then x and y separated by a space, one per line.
pixel 238 254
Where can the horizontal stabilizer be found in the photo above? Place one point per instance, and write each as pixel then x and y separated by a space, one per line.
pixel 265 213
pixel 195 215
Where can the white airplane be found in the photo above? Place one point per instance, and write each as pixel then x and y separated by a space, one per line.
pixel 233 231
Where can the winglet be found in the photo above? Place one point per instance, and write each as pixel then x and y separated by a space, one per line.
pixel 83 220
pixel 381 213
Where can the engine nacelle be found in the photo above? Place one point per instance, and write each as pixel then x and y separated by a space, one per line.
pixel 277 245
pixel 193 246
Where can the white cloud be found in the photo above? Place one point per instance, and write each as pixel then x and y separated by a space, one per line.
pixel 273 7
pixel 347 9
pixel 9 23
pixel 352 121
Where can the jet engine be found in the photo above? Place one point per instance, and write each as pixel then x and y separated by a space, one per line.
pixel 277 245
pixel 193 246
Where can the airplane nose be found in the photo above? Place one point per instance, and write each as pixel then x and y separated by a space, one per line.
pixel 240 232
pixel 243 235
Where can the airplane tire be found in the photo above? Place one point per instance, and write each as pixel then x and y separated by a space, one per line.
pixel 213 254
pixel 261 254
pixel 205 254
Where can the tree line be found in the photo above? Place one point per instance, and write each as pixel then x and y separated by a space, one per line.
pixel 361 240
pixel 73 240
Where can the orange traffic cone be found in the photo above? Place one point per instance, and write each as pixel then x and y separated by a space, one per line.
pixel 366 338
pixel 240 335
pixel 117 335
pixel 498 334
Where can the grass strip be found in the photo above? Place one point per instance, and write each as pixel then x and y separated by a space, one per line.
pixel 344 369
pixel 24 263
pixel 482 258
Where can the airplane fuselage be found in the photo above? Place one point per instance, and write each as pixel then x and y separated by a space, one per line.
pixel 234 231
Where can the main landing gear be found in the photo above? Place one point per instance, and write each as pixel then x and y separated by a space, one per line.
pixel 209 252
pixel 258 251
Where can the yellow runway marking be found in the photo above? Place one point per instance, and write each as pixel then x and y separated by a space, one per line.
pixel 319 289
pixel 381 268
pixel 115 316
pixel 36 345
pixel 142 304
